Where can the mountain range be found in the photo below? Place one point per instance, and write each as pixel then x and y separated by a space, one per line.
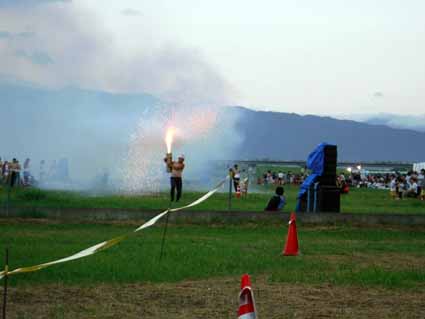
pixel 273 135
pixel 32 115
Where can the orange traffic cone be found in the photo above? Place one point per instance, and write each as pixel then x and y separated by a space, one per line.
pixel 246 300
pixel 291 246
pixel 238 192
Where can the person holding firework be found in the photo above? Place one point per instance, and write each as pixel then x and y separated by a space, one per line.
pixel 176 171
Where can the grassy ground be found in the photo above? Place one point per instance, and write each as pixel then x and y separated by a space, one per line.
pixel 358 201
pixel 340 256
pixel 343 272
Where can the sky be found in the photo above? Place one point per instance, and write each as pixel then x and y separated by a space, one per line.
pixel 328 57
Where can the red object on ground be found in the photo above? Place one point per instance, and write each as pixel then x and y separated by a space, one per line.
pixel 246 300
pixel 238 192
pixel 291 246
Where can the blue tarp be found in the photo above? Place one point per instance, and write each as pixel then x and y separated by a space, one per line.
pixel 315 162
pixel 315 159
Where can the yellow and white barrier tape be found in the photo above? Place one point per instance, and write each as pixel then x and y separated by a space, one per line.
pixel 112 242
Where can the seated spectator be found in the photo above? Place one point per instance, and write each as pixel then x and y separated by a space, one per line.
pixel 412 191
pixel 345 188
pixel 401 186
pixel 278 201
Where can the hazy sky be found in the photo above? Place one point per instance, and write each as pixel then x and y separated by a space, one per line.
pixel 304 56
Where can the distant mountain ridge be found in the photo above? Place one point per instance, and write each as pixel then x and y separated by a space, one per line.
pixel 32 115
pixel 290 136
pixel 416 123
pixel 412 122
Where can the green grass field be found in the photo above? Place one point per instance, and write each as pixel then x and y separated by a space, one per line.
pixel 357 201
pixel 391 258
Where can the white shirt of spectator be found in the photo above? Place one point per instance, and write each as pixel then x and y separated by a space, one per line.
pixel 414 187
pixel 408 180
pixel 393 185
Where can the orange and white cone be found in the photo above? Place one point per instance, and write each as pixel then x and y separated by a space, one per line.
pixel 291 246
pixel 246 300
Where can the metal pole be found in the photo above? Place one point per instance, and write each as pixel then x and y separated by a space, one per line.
pixel 6 269
pixel 230 193
pixel 163 237
pixel 8 201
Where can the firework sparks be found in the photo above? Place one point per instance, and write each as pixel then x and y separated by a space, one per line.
pixel 169 137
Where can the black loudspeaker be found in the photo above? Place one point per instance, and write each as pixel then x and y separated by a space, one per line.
pixel 329 199
pixel 328 180
pixel 328 177
pixel 325 196
pixel 321 199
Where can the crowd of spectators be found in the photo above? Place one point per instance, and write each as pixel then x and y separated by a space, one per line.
pixel 281 178
pixel 411 184
pixel 400 185
pixel 13 174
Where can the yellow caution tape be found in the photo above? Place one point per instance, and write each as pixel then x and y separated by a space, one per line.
pixel 109 243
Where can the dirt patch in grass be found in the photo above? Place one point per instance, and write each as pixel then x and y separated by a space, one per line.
pixel 388 261
pixel 212 299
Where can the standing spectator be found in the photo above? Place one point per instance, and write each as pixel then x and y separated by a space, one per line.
pixel 274 176
pixel 42 177
pixel 5 173
pixel 407 179
pixel 280 177
pixel 393 187
pixel 236 176
pixel 291 178
pixel 27 175
pixel 269 177
pixel 265 178
pixel 401 186
pixel 15 170
pixel 1 171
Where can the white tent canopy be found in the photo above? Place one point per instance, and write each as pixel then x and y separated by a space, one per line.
pixel 418 166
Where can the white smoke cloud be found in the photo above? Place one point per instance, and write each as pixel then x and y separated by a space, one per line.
pixel 69 47
pixel 87 56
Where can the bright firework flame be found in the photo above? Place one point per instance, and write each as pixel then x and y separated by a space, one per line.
pixel 169 138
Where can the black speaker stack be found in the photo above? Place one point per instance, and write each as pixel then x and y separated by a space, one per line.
pixel 328 177
pixel 324 195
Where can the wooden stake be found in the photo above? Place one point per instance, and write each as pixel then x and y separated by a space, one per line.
pixel 230 193
pixel 6 269
pixel 8 201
